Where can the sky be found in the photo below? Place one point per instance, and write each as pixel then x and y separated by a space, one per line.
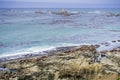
pixel 59 3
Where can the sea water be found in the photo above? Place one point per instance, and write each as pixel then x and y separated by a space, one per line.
pixel 24 31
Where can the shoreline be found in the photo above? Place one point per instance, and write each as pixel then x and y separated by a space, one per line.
pixel 65 64
pixel 105 46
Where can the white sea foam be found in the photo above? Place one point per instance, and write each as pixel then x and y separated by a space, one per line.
pixel 75 12
pixel 27 11
pixel 97 12
pixel 34 50
pixel 40 50
pixel 22 52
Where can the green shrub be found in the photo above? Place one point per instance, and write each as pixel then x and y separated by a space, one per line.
pixel 118 79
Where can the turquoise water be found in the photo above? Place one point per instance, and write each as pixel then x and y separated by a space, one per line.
pixel 26 31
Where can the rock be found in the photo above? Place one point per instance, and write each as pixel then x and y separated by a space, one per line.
pixel 73 63
pixel 106 44
pixel 64 12
pixel 2 65
pixel 25 77
pixel 97 46
pixel 113 41
pixel 39 12
pixel 113 14
pixel 104 51
pixel 117 15
pixel 118 40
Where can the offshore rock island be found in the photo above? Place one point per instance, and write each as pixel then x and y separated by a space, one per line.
pixel 76 63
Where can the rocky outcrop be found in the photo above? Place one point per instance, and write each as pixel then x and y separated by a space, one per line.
pixel 75 63
pixel 113 15
pixel 112 60
pixel 64 12
pixel 39 12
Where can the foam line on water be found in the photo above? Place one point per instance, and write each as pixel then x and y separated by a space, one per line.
pixel 40 50
pixel 32 50
pixel 35 50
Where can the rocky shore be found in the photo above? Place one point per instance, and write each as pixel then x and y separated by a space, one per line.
pixel 74 63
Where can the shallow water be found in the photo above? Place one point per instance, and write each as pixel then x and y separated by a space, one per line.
pixel 34 30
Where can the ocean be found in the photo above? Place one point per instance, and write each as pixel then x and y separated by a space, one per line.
pixel 25 31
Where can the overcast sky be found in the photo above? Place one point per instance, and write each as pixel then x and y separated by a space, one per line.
pixel 59 3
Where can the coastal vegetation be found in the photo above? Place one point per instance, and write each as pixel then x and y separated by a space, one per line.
pixel 77 63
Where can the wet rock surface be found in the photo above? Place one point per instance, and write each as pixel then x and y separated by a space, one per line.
pixel 113 15
pixel 64 13
pixel 72 63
